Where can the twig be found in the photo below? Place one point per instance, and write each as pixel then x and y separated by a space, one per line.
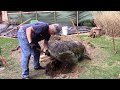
pixel 74 25
pixel 18 47
pixel 2 59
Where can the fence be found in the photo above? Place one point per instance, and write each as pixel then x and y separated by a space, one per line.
pixel 17 17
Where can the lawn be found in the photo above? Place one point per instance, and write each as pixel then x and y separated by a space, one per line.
pixel 6 45
pixel 104 64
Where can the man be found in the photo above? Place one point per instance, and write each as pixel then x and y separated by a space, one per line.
pixel 29 35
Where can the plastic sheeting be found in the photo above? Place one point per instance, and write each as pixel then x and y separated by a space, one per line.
pixel 45 16
pixel 50 17
pixel 81 29
pixel 85 15
pixel 63 17
pixel 14 18
pixel 26 16
pixel 85 18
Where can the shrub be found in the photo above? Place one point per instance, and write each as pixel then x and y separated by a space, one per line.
pixel 109 20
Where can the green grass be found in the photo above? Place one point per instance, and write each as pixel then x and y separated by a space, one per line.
pixel 6 45
pixel 107 64
pixel 104 65
pixel 13 71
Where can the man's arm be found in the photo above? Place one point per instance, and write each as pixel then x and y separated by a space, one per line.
pixel 29 34
pixel 46 48
pixel 45 45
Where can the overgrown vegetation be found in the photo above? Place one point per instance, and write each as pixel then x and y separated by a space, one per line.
pixel 109 20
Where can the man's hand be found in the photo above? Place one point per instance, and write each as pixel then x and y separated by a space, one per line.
pixel 32 45
pixel 47 53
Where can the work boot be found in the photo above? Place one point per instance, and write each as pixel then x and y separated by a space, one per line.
pixel 26 78
pixel 39 68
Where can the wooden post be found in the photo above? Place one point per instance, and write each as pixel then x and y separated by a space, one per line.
pixel 74 25
pixel 21 17
pixel 0 16
pixel 36 16
pixel 0 51
pixel 77 17
pixel 54 16
pixel 4 16
pixel 113 39
pixel 2 59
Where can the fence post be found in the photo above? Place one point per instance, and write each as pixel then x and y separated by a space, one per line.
pixel 4 16
pixel 77 17
pixel 36 16
pixel 54 16
pixel 0 51
pixel 21 17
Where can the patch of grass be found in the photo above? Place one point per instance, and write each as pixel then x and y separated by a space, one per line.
pixel 6 45
pixel 97 72
pixel 106 64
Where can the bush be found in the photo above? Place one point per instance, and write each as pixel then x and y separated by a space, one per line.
pixel 109 20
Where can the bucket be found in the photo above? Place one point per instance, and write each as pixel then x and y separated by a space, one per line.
pixel 64 30
pixel 32 21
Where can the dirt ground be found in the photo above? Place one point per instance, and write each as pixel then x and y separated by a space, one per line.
pixel 14 71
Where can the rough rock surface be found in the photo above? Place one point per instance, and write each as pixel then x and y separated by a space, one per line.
pixel 67 51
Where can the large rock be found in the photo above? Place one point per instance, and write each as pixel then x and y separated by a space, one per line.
pixel 67 51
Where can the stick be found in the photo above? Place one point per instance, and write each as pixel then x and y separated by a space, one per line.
pixel 55 17
pixel 114 51
pixel 74 25
pixel 2 59
pixel 19 25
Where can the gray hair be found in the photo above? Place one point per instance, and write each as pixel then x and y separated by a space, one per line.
pixel 56 28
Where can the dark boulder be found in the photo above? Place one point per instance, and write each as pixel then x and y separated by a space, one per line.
pixel 67 51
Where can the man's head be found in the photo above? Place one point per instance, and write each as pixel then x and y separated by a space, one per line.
pixel 54 29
